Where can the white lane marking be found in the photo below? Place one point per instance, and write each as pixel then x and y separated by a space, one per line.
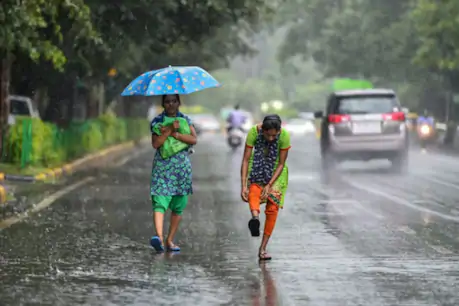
pixel 337 208
pixel 353 203
pixel 441 182
pixel 368 211
pixel 432 203
pixel 405 229
pixel 401 201
pixel 352 207
pixel 44 203
pixel 439 249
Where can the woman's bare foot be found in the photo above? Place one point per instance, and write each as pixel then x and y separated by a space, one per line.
pixel 172 247
pixel 263 255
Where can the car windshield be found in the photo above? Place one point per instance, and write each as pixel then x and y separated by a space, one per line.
pixel 367 105
pixel 19 108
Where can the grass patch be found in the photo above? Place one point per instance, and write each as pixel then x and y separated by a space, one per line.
pixel 10 197
pixel 16 170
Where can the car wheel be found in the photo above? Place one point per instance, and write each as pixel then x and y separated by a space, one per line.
pixel 400 162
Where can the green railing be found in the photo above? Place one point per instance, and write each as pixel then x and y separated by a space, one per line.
pixel 32 142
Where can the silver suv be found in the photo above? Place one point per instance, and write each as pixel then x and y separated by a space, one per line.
pixel 363 125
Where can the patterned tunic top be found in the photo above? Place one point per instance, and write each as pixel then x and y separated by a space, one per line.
pixel 282 143
pixel 171 176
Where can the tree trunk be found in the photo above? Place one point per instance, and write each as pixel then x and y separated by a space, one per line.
pixel 5 66
pixel 101 98
pixel 451 129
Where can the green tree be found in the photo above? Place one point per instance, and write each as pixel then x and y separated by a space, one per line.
pixel 32 28
pixel 438 28
pixel 372 39
pixel 140 35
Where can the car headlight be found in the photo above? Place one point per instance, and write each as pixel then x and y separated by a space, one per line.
pixel 425 129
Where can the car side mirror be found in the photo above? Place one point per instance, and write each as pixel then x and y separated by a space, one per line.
pixel 318 114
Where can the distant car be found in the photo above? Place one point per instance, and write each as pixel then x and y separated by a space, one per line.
pixel 205 122
pixel 21 106
pixel 363 125
pixel 299 126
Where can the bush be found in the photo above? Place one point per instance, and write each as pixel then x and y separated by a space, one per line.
pixel 92 138
pixel 32 142
pixel 121 131
pixel 13 143
pixel 109 127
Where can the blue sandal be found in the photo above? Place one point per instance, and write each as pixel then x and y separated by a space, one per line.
pixel 173 248
pixel 157 244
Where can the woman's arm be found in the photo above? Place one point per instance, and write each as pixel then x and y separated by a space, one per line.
pixel 245 165
pixel 158 140
pixel 188 139
pixel 280 166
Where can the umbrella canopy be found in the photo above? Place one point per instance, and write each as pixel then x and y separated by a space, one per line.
pixel 171 80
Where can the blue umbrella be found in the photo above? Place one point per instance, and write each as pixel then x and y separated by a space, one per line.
pixel 171 80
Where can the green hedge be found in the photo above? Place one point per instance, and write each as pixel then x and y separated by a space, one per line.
pixel 32 142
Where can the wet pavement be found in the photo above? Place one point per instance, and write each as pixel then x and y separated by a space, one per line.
pixel 364 237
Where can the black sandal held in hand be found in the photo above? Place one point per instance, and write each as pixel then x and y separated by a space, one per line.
pixel 254 227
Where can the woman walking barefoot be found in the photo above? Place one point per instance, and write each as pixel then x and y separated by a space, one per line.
pixel 264 175
pixel 171 177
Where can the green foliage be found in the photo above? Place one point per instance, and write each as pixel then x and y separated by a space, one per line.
pixel 92 137
pixel 194 109
pixel 438 28
pixel 249 93
pixel 45 145
pixel 121 131
pixel 109 127
pixel 14 142
pixel 84 39
pixel 24 25
pixel 283 113
pixel 410 46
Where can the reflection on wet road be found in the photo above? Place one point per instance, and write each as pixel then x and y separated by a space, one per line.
pixel 363 237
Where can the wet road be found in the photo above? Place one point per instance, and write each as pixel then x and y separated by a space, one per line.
pixel 365 237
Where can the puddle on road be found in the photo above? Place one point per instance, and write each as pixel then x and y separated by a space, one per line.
pixel 92 248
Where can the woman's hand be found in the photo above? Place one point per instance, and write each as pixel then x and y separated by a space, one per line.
pixel 166 130
pixel 266 191
pixel 245 193
pixel 176 124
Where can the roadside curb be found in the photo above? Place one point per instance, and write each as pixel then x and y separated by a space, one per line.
pixel 3 195
pixel 66 169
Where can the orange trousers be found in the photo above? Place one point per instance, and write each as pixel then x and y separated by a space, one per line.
pixel 272 209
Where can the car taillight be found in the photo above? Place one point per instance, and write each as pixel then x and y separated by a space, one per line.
pixel 398 116
pixel 338 118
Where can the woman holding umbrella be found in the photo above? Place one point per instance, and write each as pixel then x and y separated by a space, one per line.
pixel 264 175
pixel 171 177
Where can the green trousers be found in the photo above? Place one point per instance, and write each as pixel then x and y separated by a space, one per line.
pixel 176 203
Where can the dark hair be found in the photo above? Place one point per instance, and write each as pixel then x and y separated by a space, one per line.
pixel 236 106
pixel 163 98
pixel 271 122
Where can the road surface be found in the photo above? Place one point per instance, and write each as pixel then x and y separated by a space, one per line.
pixel 365 237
